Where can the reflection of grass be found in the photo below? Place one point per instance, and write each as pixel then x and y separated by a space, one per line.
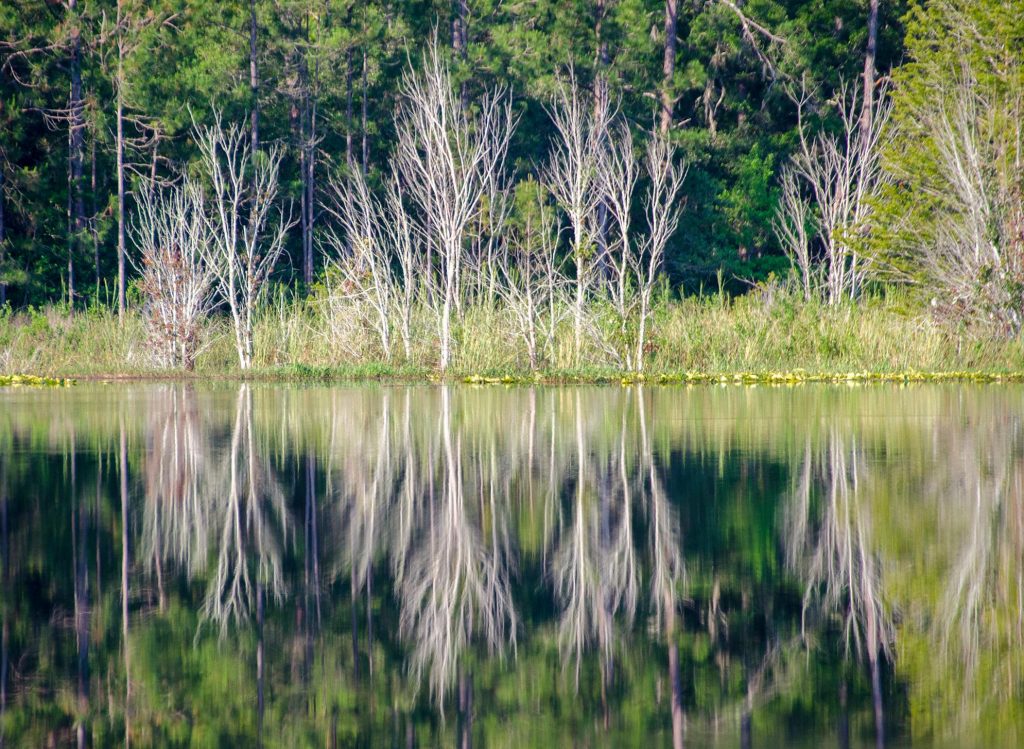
pixel 758 338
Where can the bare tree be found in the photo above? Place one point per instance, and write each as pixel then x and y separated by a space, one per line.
pixel 247 225
pixel 360 273
pixel 792 224
pixel 447 157
pixel 842 175
pixel 635 259
pixel 663 208
pixel 532 283
pixel 972 253
pixel 177 280
pixel 573 178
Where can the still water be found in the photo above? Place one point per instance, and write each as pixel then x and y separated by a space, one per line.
pixel 230 565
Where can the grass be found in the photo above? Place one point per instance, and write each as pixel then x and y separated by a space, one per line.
pixel 769 335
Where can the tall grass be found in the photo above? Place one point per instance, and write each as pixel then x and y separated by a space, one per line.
pixel 768 330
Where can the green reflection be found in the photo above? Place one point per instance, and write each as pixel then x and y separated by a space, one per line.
pixel 508 567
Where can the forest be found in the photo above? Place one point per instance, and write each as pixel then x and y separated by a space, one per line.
pixel 478 186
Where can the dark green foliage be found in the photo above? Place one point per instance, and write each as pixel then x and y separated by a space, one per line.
pixel 733 117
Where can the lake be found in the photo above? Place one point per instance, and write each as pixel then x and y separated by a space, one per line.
pixel 216 564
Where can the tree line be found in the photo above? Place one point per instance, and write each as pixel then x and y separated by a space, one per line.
pixel 404 161
pixel 99 99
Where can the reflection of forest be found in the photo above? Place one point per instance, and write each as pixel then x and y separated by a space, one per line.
pixel 511 566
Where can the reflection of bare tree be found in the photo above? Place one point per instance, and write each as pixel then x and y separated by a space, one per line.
pixel 251 519
pixel 451 584
pixel 198 506
pixel 835 556
pixel 979 615
pixel 418 490
pixel 594 564
pixel 667 570
pixel 178 478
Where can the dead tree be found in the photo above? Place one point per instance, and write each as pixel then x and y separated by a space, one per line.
pixel 247 224
pixel 178 280
pixel 446 158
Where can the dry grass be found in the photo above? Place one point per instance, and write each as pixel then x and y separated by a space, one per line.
pixel 768 330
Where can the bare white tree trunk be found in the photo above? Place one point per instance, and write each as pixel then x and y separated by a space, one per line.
pixel 531 282
pixel 635 258
pixel 247 224
pixel 176 278
pixel 842 174
pixel 572 177
pixel 448 159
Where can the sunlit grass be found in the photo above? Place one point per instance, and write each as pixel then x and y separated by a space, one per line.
pixel 767 336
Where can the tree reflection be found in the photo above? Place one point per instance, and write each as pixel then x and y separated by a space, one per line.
pixel 227 511
pixel 517 553
pixel 834 554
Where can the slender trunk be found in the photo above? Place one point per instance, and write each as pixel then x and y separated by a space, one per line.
pixel 254 81
pixel 465 711
pixel 124 587
pixel 601 104
pixel 460 39
pixel 76 135
pixel 348 108
pixel 259 660
pixel 675 684
pixel 844 717
pixel 119 147
pixel 92 212
pixel 869 71
pixel 311 190
pixel 6 576
pixel 668 67
pixel 70 269
pixel 79 541
pixel 876 699
pixel 151 188
pixel 446 328
pixel 363 124
pixel 303 208
pixel 3 236
pixel 355 620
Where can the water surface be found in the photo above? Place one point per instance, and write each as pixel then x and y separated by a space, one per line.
pixel 225 565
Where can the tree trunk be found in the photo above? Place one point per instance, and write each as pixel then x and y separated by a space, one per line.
pixel 299 121
pixel 3 253
pixel 668 67
pixel 600 104
pixel 869 71
pixel 876 699
pixel 92 214
pixel 465 711
pixel 363 124
pixel 80 527
pixel 348 108
pixel 460 39
pixel 310 191
pixel 259 660
pixel 254 81
pixel 675 684
pixel 124 587
pixel 844 717
pixel 119 147
pixel 76 135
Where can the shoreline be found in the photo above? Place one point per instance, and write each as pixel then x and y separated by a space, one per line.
pixel 329 375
